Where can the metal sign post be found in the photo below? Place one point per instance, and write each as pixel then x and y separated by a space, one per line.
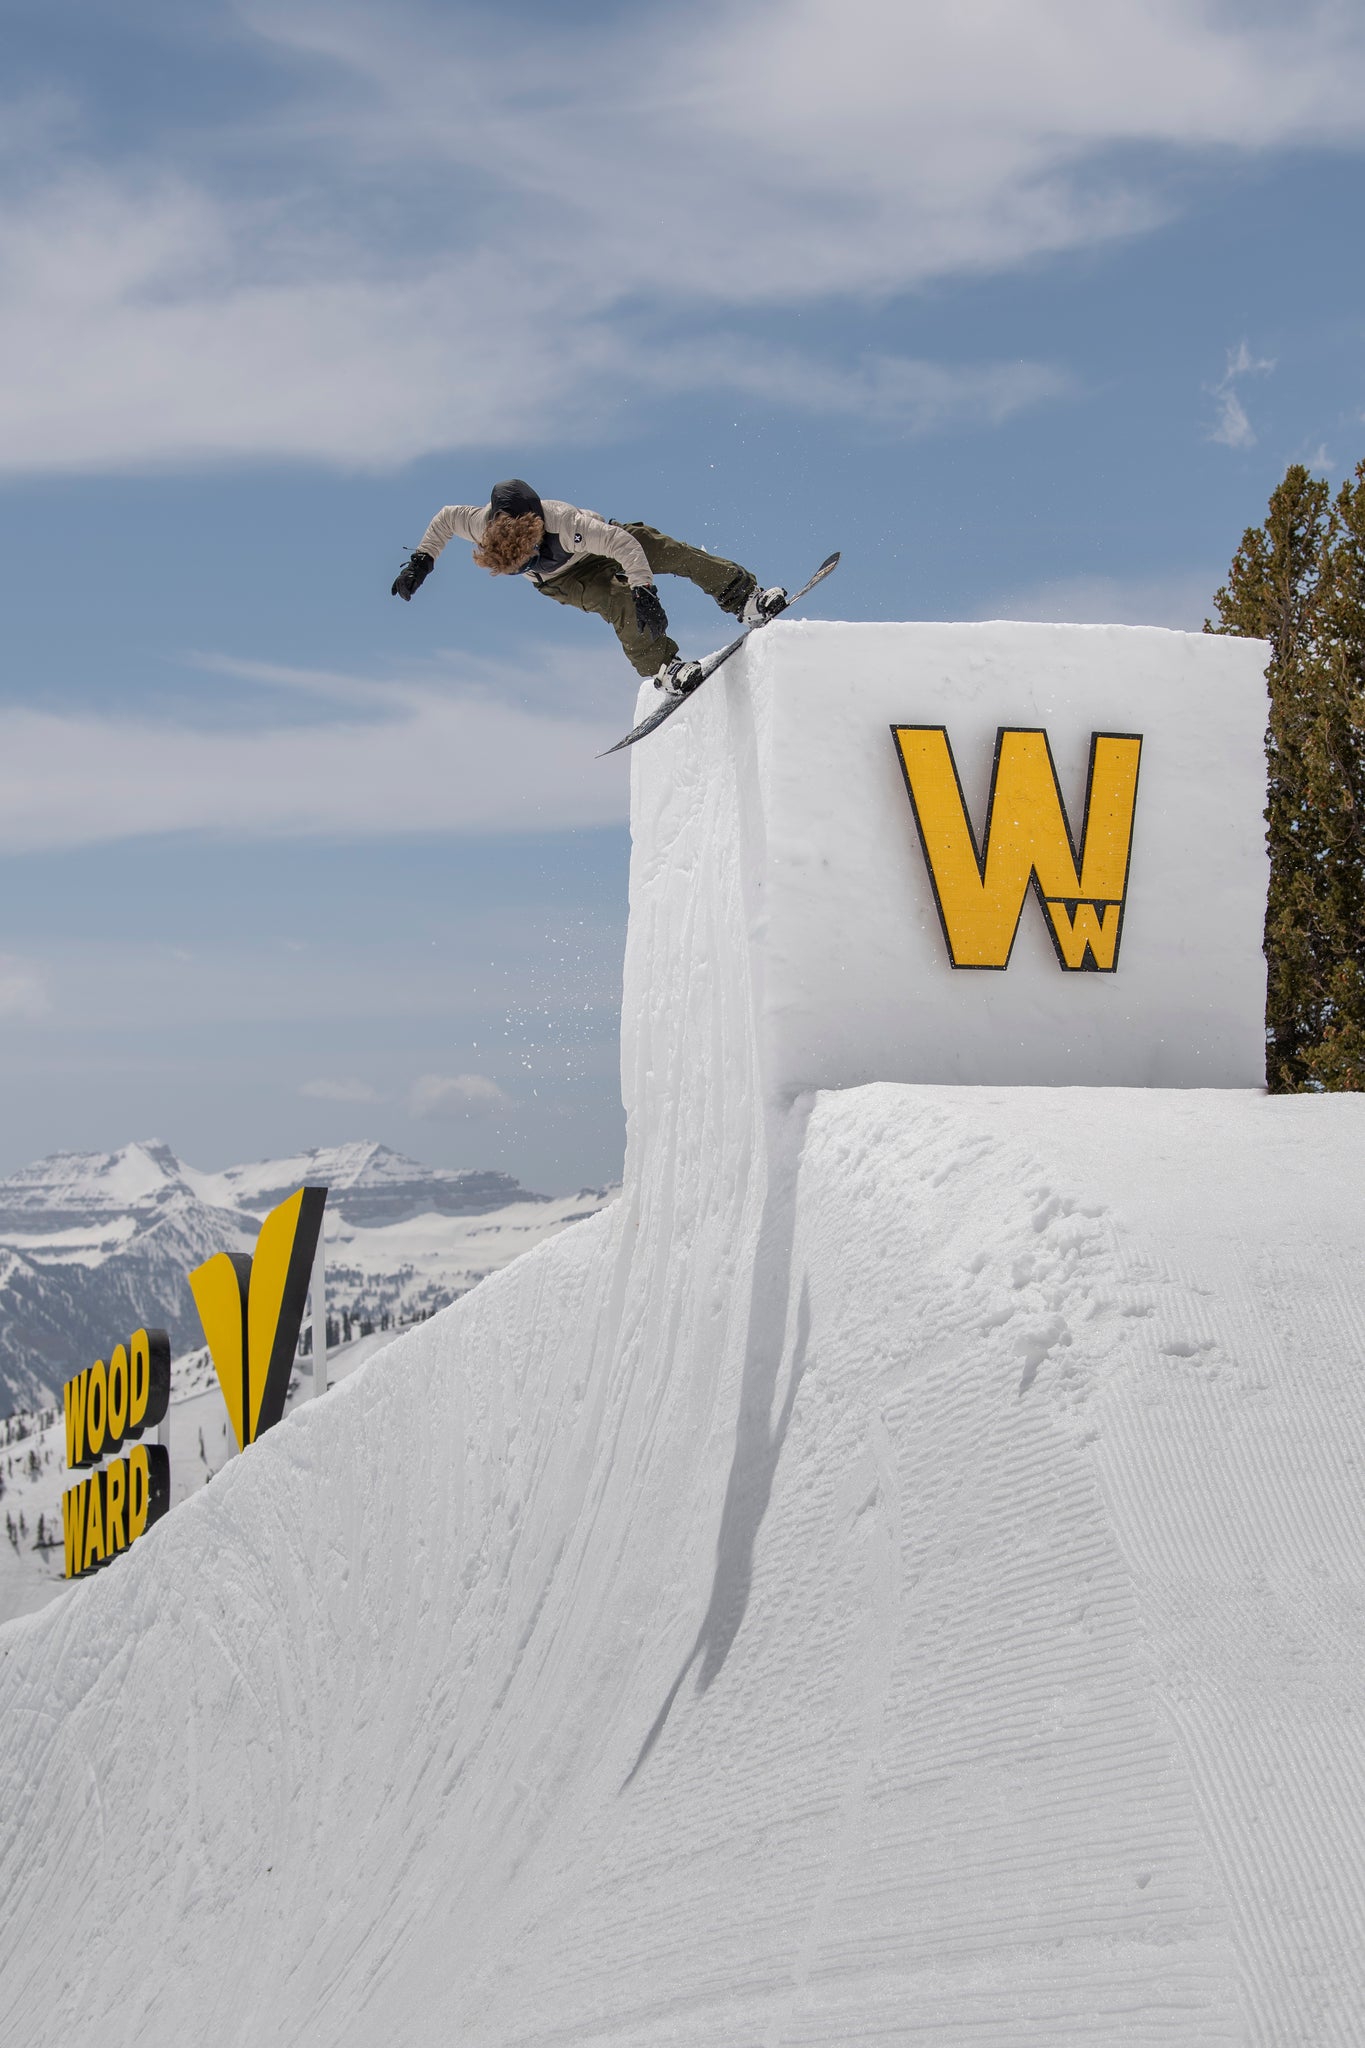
pixel 318 1286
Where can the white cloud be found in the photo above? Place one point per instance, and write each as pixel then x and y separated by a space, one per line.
pixel 404 757
pixel 442 1095
pixel 896 391
pixel 323 1090
pixel 451 224
pixel 23 991
pixel 828 144
pixel 1242 363
pixel 1182 598
pixel 143 337
pixel 1233 428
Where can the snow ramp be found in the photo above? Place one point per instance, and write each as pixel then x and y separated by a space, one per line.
pixel 897 1575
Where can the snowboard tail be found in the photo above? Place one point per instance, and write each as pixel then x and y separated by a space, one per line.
pixel 717 660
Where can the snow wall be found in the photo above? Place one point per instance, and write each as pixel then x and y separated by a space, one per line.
pixel 897 1574
pixel 852 968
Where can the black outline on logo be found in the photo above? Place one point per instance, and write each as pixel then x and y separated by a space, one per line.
pixel 298 1275
pixel 1089 964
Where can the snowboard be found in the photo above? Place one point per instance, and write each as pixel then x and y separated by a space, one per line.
pixel 714 661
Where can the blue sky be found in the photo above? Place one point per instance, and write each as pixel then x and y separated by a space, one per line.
pixel 1023 304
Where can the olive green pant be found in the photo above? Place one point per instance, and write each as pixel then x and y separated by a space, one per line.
pixel 597 584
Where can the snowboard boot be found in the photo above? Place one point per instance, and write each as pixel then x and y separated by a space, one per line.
pixel 679 676
pixel 763 605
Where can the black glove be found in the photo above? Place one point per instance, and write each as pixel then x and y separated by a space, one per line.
pixel 650 615
pixel 412 575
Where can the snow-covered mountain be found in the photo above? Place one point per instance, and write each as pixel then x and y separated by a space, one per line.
pixel 93 1244
pixel 368 1183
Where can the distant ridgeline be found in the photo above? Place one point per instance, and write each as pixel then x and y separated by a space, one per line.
pixel 83 1235
pixel 106 1406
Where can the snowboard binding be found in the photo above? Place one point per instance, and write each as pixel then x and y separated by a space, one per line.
pixel 680 677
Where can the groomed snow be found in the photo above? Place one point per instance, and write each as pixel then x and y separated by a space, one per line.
pixel 896 1575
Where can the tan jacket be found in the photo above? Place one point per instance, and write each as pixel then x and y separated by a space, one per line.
pixel 579 533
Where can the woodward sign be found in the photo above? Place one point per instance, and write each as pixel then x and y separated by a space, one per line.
pixel 251 1308
pixel 106 1403
pixel 1001 855
pixel 979 890
pixel 113 1507
pixel 105 1406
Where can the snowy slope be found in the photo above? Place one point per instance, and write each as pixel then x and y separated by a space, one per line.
pixel 896 1574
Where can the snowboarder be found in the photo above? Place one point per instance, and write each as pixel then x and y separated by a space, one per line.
pixel 596 565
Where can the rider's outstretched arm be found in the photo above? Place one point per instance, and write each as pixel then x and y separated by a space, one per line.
pixel 450 521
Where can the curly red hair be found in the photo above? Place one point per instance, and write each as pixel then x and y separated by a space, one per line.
pixel 508 544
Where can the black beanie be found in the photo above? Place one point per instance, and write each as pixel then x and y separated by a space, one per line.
pixel 514 498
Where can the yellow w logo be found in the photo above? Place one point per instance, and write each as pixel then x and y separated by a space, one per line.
pixel 980 895
pixel 251 1310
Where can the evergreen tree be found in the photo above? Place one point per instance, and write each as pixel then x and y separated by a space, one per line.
pixel 1298 581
